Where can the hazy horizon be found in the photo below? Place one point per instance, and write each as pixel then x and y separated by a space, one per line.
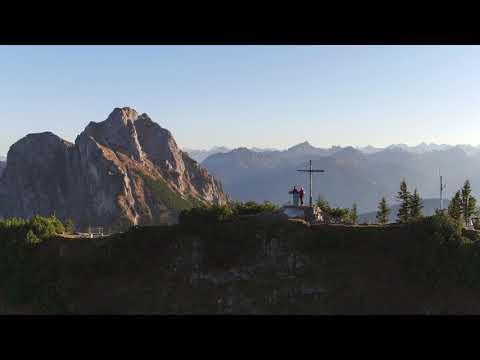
pixel 4 155
pixel 326 147
pixel 248 96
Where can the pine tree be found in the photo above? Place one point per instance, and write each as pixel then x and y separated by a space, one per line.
pixel 415 206
pixel 383 211
pixel 468 202
pixel 455 206
pixel 354 214
pixel 470 208
pixel 404 197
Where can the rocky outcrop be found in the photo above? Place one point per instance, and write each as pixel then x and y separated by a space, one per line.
pixel 126 170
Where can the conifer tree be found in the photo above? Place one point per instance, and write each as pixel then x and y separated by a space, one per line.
pixel 404 197
pixel 471 208
pixel 468 202
pixel 383 211
pixel 455 206
pixel 354 214
pixel 415 206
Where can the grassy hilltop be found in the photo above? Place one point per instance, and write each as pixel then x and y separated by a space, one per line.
pixel 244 264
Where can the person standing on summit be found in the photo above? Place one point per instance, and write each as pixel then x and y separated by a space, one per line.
pixel 295 195
pixel 301 193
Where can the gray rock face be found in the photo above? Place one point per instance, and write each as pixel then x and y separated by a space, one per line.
pixel 126 170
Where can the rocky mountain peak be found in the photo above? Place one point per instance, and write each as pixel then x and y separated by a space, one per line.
pixel 117 132
pixel 125 170
pixel 123 115
pixel 304 146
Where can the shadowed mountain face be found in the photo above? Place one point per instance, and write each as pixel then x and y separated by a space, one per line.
pixel 352 175
pixel 126 170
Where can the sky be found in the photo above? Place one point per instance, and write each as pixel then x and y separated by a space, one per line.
pixel 262 96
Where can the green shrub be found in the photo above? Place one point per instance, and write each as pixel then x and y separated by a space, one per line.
pixel 214 214
pixel 440 229
pixel 437 252
pixel 205 215
pixel 252 208
pixel 163 194
pixel 69 226
pixel 21 271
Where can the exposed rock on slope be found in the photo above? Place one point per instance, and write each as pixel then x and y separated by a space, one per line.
pixel 126 170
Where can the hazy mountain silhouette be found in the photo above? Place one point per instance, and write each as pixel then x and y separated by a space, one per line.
pixel 200 155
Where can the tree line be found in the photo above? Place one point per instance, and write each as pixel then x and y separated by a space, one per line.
pixel 33 230
pixel 462 207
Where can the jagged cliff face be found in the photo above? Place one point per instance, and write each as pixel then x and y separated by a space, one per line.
pixel 126 170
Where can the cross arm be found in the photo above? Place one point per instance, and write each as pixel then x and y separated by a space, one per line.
pixel 312 170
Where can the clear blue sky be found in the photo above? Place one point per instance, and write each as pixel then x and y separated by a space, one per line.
pixel 265 96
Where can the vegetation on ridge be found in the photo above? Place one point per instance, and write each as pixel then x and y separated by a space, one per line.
pixel 249 265
pixel 23 278
pixel 205 215
pixel 165 195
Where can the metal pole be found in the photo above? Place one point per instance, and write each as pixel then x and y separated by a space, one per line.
pixel 441 193
pixel 311 202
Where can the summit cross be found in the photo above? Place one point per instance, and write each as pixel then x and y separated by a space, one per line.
pixel 311 171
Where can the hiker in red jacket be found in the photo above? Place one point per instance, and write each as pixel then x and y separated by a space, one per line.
pixel 301 193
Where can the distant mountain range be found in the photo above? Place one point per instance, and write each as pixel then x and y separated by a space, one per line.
pixel 424 147
pixel 429 206
pixel 361 175
pixel 200 155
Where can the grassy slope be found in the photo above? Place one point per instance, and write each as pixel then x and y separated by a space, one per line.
pixel 165 195
pixel 362 269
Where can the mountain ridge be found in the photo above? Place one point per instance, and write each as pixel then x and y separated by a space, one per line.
pixel 306 147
